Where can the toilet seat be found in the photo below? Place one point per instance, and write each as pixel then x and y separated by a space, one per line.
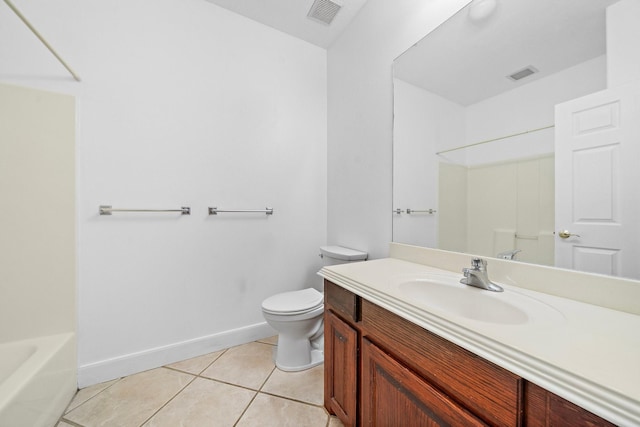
pixel 293 302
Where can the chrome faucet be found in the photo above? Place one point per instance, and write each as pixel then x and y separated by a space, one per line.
pixel 509 254
pixel 477 276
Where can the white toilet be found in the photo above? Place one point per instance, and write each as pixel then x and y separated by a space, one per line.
pixel 298 318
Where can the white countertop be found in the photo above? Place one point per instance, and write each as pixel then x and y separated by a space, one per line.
pixel 587 354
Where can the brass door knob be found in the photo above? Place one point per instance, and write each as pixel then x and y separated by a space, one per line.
pixel 565 234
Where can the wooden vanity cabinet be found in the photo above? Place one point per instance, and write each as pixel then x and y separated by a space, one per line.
pixel 382 370
pixel 341 369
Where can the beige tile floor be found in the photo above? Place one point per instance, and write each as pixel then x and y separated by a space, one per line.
pixel 239 386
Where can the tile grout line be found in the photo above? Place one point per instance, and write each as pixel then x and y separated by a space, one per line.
pixel 254 396
pixel 170 400
pixel 292 399
pixel 260 391
pixel 71 423
pixel 228 383
pixel 195 376
pixel 288 398
pixel 199 374
pixel 64 418
pixel 219 381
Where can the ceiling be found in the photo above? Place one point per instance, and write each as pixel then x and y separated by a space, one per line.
pixel 290 16
pixel 467 61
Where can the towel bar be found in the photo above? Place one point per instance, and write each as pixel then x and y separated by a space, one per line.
pixel 108 210
pixel 216 211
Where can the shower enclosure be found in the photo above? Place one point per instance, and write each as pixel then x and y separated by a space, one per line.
pixel 37 256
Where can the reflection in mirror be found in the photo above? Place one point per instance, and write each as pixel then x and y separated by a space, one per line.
pixel 475 130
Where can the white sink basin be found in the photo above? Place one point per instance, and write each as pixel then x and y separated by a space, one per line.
pixel 446 294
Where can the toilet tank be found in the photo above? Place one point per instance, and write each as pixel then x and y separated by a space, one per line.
pixel 340 254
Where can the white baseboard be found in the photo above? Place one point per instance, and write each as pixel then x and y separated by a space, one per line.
pixel 127 364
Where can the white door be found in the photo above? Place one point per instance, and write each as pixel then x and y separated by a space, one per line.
pixel 597 172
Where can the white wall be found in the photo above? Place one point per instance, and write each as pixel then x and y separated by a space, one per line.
pixel 422 121
pixel 360 98
pixel 623 33
pixel 182 104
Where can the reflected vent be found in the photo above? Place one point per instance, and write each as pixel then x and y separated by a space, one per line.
pixel 324 11
pixel 518 75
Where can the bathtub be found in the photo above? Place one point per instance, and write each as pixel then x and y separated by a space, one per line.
pixel 37 380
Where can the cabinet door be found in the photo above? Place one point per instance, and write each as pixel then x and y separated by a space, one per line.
pixel 340 369
pixel 545 409
pixel 392 395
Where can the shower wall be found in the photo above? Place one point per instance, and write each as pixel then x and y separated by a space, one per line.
pixel 499 207
pixel 182 103
pixel 37 214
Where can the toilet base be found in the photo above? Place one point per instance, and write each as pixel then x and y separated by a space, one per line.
pixel 300 341
pixel 317 357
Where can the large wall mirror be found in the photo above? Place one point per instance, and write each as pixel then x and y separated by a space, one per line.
pixel 476 134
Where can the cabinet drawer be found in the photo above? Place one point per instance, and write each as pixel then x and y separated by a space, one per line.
pixel 342 301
pixel 491 393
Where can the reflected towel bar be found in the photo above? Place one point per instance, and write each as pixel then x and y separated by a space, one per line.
pixel 215 211
pixel 108 210
pixel 429 211
pixel 526 237
pixel 410 211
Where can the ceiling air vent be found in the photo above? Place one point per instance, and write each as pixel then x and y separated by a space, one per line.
pixel 324 10
pixel 523 73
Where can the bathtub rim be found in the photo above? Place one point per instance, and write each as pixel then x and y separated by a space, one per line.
pixel 46 348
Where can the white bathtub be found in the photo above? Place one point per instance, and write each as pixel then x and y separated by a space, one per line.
pixel 37 380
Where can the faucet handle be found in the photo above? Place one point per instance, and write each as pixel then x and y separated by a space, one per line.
pixel 479 264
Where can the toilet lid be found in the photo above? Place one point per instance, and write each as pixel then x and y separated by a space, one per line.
pixel 294 301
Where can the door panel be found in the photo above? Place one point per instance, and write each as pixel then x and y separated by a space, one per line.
pixel 597 151
pixel 388 385
pixel 340 387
